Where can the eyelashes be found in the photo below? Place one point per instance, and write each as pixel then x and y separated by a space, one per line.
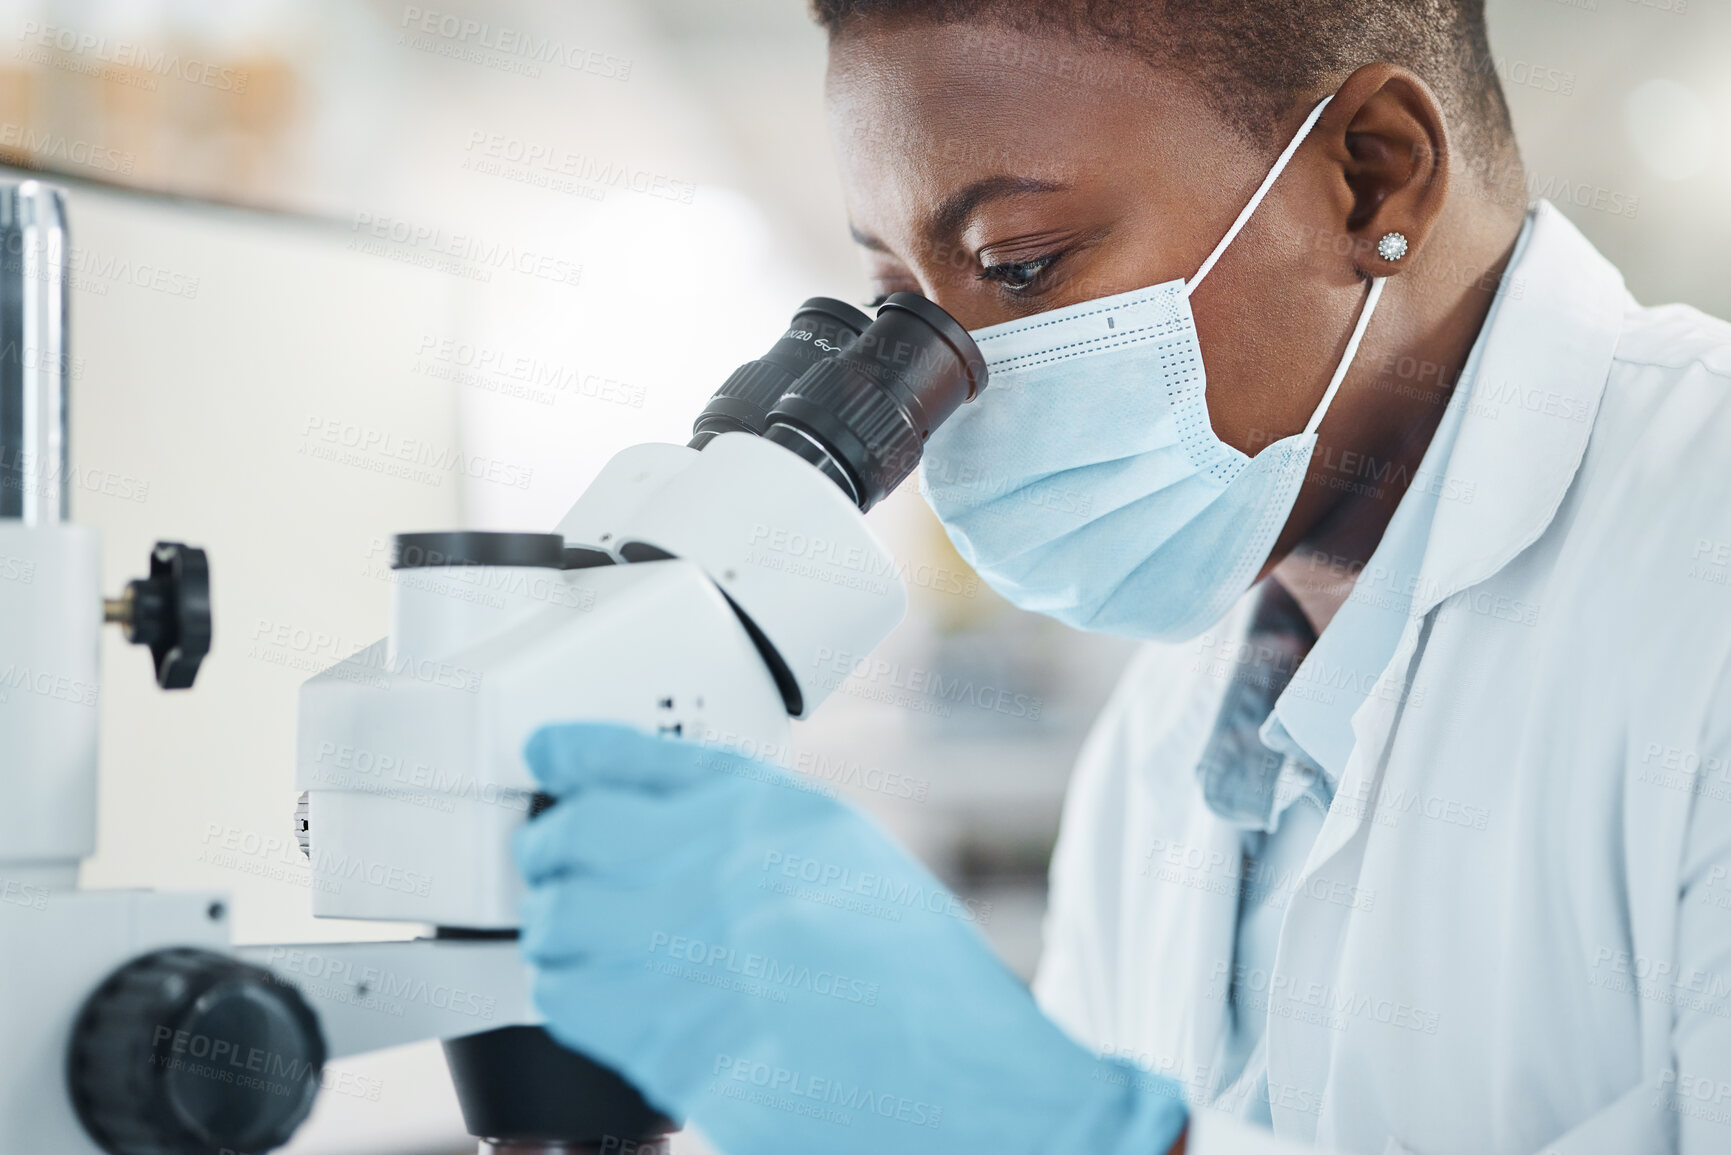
pixel 1025 279
pixel 1018 277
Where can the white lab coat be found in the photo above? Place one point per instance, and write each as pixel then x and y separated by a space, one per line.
pixel 1513 931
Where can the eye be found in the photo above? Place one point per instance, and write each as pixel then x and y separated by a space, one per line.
pixel 1018 276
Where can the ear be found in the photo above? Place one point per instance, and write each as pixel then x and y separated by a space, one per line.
pixel 1386 133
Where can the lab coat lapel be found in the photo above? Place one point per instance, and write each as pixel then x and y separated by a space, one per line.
pixel 1537 389
pixel 1534 397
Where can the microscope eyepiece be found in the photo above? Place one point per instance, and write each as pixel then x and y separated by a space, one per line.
pixel 862 416
pixel 820 329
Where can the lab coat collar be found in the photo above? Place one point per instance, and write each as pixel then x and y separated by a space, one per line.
pixel 1548 353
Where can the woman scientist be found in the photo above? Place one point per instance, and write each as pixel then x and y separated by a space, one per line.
pixel 1422 844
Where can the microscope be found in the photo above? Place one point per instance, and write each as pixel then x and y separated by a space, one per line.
pixel 660 601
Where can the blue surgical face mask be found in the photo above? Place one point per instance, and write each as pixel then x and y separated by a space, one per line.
pixel 1086 481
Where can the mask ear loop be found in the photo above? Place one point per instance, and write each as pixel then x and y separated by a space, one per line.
pixel 1256 197
pixel 1370 301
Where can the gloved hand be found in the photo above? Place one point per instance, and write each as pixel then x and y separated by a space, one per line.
pixel 764 961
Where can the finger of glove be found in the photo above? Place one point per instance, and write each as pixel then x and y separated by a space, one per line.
pixel 585 920
pixel 570 756
pixel 622 834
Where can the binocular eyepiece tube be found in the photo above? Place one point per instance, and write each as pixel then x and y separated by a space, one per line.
pixel 820 329
pixel 856 397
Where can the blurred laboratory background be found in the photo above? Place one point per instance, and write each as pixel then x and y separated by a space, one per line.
pixel 313 238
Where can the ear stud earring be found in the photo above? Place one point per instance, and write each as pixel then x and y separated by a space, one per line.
pixel 1392 247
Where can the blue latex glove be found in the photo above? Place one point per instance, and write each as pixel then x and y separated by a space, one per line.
pixel 764 961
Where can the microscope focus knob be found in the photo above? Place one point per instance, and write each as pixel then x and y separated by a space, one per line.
pixel 189 1052
pixel 169 611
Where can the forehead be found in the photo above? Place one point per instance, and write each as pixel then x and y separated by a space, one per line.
pixel 917 110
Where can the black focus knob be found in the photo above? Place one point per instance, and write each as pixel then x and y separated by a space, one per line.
pixel 189 1052
pixel 169 611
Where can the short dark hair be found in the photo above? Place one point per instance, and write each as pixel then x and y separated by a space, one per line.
pixel 1255 59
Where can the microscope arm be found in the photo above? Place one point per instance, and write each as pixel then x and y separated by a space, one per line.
pixel 374 995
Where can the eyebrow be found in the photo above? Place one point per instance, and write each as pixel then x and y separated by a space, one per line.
pixel 954 210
